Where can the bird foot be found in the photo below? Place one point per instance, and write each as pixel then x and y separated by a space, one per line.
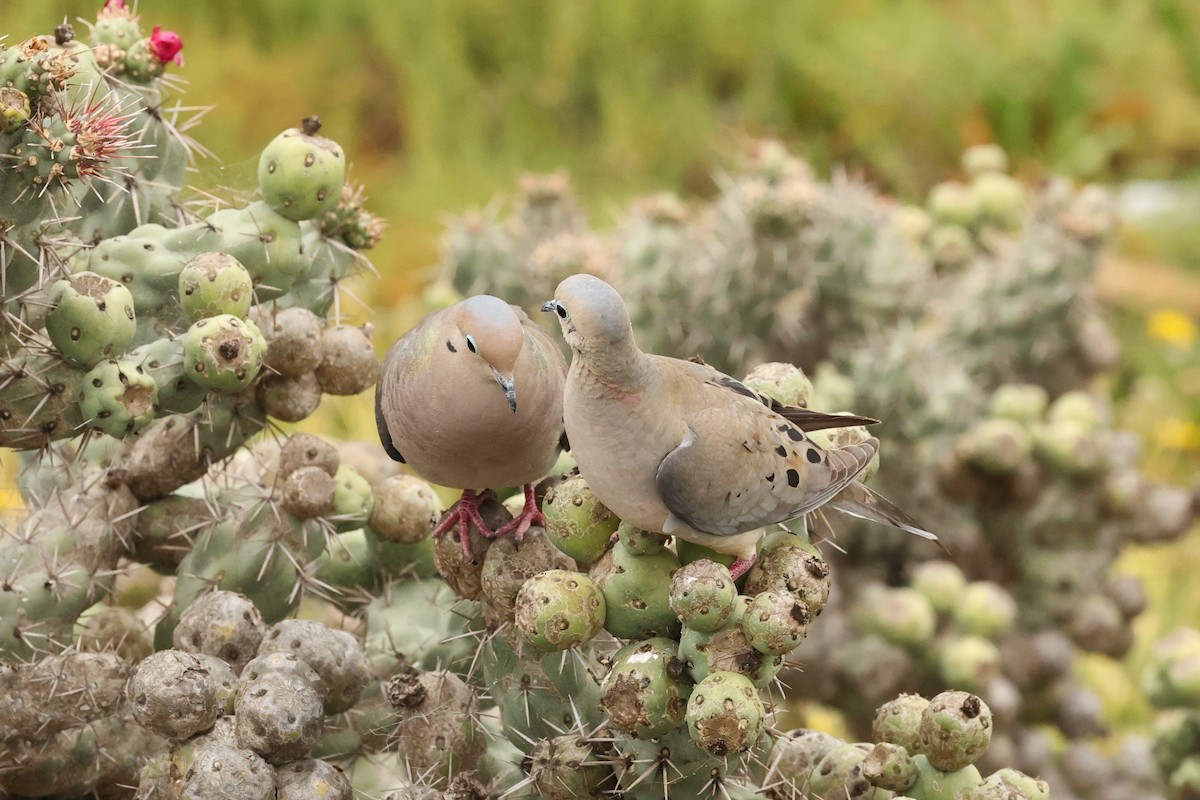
pixel 464 514
pixel 741 566
pixel 529 516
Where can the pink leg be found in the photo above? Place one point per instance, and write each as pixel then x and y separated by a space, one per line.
pixel 529 517
pixel 741 566
pixel 465 513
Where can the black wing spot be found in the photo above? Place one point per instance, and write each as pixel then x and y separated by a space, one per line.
pixel 814 456
pixel 450 346
pixel 771 478
pixel 781 450
pixel 795 434
pixel 740 388
pixel 793 478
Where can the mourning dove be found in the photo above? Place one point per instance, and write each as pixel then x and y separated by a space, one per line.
pixel 679 448
pixel 471 398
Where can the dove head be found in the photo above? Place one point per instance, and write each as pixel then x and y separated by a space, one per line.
pixel 492 333
pixel 592 315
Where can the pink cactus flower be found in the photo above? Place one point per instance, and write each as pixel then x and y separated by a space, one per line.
pixel 166 45
pixel 114 5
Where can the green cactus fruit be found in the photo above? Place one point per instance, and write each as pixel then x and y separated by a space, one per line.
pixel 890 767
pixel 558 609
pixel 222 624
pixel 1069 448
pixel 312 779
pixel 118 398
pixel 840 774
pixel 645 692
pixel 223 353
pixel 278 715
pixel 1001 199
pixel 725 714
pixel 941 582
pixel 1078 407
pixel 174 695
pixel 220 770
pixel 780 381
pixel 996 446
pixel 301 174
pixel 348 361
pixel 954 203
pixel 212 284
pixel 968 661
pixel 703 595
pixel 982 159
pixel 899 721
pixel 353 500
pixel 336 657
pixel 951 247
pixel 576 522
pixel 728 650
pixel 116 25
pixel 307 450
pixel 640 542
pixel 293 339
pixel 14 109
pixel 1020 402
pixel 795 567
pixel 566 768
pixel 636 593
pixel 406 509
pixel 163 361
pixel 901 615
pixel 985 609
pixel 935 784
pixel 956 728
pixel 506 567
pixel 91 318
pixel 308 493
pixel 288 399
pixel 775 623
pixel 1033 788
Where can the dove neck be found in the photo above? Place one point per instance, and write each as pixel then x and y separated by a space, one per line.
pixel 618 365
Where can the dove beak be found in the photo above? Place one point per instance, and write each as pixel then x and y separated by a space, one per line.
pixel 548 305
pixel 510 391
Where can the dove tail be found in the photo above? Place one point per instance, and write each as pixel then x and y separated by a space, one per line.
pixel 859 501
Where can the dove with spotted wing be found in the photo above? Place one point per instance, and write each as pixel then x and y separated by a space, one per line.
pixel 680 448
pixel 471 398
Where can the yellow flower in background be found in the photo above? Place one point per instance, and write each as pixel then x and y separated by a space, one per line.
pixel 1173 327
pixel 1178 434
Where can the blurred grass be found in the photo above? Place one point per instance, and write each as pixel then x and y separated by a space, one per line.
pixel 442 104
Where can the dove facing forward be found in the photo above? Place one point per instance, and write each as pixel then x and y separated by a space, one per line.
pixel 471 398
pixel 680 448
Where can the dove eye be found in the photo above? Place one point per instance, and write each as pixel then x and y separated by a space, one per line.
pixel 471 344
pixel 561 310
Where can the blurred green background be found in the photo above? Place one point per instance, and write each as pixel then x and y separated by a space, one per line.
pixel 442 104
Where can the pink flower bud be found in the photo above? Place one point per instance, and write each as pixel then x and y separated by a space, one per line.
pixel 166 45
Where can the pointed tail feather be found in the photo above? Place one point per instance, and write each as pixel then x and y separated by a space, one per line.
pixel 859 501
